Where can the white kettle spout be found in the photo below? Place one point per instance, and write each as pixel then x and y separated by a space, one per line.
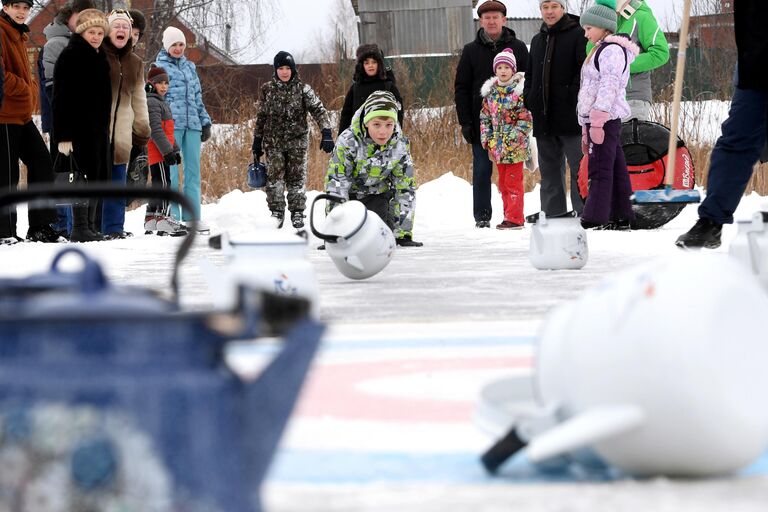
pixel 585 429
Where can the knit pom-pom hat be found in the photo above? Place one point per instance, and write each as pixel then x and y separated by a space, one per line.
pixel 505 56
pixel 601 15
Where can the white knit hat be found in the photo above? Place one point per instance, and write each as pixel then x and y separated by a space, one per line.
pixel 119 14
pixel 173 35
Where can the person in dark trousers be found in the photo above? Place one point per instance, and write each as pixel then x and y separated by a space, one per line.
pixel 551 93
pixel 370 75
pixel 19 137
pixel 743 137
pixel 602 105
pixel 474 68
pixel 81 112
pixel 57 36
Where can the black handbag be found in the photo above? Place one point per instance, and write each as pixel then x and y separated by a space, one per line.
pixel 68 164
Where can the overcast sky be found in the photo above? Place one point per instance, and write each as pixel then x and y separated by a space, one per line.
pixel 299 25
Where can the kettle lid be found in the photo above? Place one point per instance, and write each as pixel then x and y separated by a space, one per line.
pixel 265 237
pixel 345 219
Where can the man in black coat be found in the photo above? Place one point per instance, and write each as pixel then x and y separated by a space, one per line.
pixel 474 68
pixel 551 93
pixel 743 134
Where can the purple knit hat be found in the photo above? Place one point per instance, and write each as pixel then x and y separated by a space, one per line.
pixel 505 57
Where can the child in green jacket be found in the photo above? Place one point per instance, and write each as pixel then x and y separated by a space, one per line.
pixel 372 163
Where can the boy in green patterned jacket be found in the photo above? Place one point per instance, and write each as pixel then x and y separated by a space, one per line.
pixel 372 163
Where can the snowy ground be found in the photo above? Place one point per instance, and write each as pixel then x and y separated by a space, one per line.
pixel 386 422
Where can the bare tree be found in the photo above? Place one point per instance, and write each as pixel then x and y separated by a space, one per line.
pixel 342 40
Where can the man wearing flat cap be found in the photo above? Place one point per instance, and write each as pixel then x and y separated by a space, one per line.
pixel 475 67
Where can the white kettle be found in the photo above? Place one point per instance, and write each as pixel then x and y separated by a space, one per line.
pixel 750 246
pixel 359 243
pixel 558 243
pixel 660 371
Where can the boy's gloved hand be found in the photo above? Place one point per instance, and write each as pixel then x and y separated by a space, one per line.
pixel 326 144
pixel 206 133
pixel 178 157
pixel 466 132
pixel 584 141
pixel 598 118
pixel 256 149
pixel 65 148
pixel 170 158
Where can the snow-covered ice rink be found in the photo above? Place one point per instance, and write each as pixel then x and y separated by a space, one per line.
pixel 387 420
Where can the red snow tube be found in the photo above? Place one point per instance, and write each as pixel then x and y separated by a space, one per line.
pixel 645 147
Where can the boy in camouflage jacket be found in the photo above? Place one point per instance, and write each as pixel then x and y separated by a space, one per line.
pixel 282 132
pixel 372 163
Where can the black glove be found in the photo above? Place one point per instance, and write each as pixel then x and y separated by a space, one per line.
pixel 467 133
pixel 170 159
pixel 206 133
pixel 327 143
pixel 407 241
pixel 178 157
pixel 256 149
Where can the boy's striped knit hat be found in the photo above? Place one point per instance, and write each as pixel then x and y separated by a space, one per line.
pixel 380 104
pixel 505 56
pixel 601 15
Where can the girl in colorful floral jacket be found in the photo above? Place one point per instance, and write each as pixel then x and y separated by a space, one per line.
pixel 505 129
pixel 601 106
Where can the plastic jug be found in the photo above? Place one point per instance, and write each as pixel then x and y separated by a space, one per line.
pixel 558 243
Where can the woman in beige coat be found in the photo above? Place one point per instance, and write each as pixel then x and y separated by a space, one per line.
pixel 129 124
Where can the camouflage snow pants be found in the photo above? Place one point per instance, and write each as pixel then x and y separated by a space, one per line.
pixel 286 170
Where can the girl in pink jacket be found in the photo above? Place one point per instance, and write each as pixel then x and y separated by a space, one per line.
pixel 602 104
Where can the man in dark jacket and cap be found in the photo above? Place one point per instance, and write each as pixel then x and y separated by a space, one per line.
pixel 551 93
pixel 743 134
pixel 474 68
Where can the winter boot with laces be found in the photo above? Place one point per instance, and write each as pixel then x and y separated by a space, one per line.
pixel 297 219
pixel 705 233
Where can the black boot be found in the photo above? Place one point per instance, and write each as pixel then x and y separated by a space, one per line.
pixel 705 233
pixel 80 229
pixel 94 219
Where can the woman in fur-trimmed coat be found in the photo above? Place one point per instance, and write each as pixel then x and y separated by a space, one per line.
pixel 129 123
pixel 81 114
pixel 505 130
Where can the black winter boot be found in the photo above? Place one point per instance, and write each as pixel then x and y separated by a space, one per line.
pixel 705 233
pixel 297 219
pixel 408 241
pixel 94 218
pixel 81 231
